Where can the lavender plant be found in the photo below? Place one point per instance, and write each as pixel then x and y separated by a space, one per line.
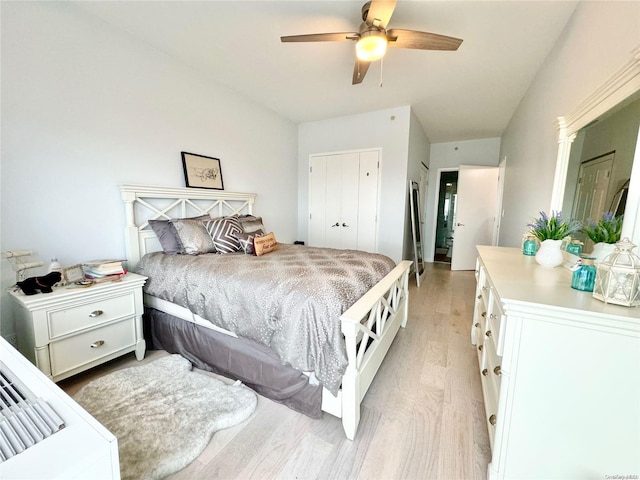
pixel 553 227
pixel 606 230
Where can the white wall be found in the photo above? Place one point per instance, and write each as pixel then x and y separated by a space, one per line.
pixel 596 42
pixel 450 155
pixel 86 108
pixel 387 129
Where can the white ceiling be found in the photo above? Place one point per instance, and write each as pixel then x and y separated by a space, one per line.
pixel 468 94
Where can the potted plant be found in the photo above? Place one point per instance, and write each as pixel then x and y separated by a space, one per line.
pixel 604 234
pixel 550 230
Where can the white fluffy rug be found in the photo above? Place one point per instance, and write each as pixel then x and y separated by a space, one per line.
pixel 163 414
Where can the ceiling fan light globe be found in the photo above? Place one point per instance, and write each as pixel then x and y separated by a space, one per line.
pixel 371 47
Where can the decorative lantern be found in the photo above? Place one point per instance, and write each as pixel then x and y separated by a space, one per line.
pixel 618 276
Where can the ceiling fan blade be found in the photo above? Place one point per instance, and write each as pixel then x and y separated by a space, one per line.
pixel 322 37
pixel 380 12
pixel 421 40
pixel 359 71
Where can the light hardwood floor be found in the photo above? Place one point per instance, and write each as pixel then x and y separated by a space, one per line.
pixel 423 417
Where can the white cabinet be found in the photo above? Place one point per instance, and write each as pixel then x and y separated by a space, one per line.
pixel 343 200
pixel 70 330
pixel 560 373
pixel 83 449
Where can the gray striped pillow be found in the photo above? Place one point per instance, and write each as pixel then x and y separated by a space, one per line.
pixel 246 241
pixel 223 232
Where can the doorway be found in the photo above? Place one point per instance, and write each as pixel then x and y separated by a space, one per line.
pixel 447 201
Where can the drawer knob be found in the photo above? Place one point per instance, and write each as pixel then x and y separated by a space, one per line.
pixel 497 370
pixel 480 347
pixel 488 333
pixel 484 314
pixel 492 419
pixel 477 325
pixel 492 316
pixel 479 296
pixel 96 313
pixel 485 372
pixel 97 344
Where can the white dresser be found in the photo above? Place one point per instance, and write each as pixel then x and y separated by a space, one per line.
pixel 70 330
pixel 560 373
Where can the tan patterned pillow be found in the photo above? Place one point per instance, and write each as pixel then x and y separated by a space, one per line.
pixel 265 244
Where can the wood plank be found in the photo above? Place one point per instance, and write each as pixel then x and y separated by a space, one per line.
pixel 423 416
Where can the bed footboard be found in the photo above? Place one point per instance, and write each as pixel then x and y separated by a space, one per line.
pixel 369 327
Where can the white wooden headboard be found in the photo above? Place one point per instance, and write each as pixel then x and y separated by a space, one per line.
pixel 149 202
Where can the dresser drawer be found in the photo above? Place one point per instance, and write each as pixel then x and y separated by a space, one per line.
pixel 495 322
pixel 89 314
pixel 491 395
pixel 72 352
pixel 492 366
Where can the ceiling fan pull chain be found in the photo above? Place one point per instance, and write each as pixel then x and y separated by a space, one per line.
pixel 381 63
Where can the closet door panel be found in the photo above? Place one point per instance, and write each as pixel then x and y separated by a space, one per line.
pixel 317 201
pixel 368 201
pixel 333 201
pixel 349 201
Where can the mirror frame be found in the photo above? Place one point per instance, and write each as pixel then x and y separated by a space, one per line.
pixel 414 189
pixel 620 86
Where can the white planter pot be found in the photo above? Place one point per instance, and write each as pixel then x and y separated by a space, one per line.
pixel 549 254
pixel 602 251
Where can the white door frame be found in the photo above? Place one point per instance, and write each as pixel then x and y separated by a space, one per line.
pixel 424 192
pixel 434 226
pixel 502 166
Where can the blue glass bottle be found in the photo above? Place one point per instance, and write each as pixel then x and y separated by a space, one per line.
pixel 575 247
pixel 584 277
pixel 530 246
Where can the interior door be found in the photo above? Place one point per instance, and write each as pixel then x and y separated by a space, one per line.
pixel 592 189
pixel 475 217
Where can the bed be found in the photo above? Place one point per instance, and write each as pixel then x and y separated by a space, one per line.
pixel 364 332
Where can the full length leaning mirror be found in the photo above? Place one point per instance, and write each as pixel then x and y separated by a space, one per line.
pixel 414 200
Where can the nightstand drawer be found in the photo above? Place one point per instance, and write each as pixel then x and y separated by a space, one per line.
pixel 75 351
pixel 91 313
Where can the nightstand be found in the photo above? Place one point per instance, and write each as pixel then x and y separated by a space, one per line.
pixel 73 329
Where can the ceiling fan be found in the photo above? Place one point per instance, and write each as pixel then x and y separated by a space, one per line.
pixel 373 37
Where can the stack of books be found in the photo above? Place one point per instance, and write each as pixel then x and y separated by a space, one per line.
pixel 103 269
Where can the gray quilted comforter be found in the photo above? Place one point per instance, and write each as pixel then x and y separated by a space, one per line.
pixel 290 300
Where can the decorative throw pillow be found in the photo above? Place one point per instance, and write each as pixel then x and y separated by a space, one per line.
pixel 194 236
pixel 222 232
pixel 167 235
pixel 251 224
pixel 246 241
pixel 265 244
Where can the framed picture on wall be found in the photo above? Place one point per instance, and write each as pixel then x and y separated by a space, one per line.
pixel 201 171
